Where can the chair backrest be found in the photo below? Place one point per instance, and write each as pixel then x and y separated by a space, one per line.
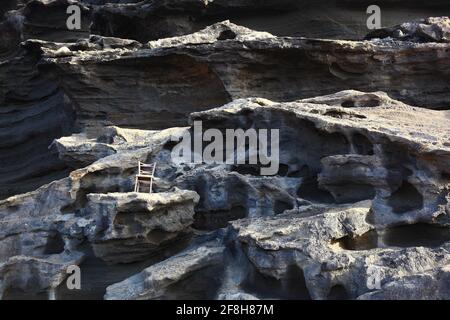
pixel 147 169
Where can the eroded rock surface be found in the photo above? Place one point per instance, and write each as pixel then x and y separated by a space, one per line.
pixel 61 88
pixel 363 185
pixel 319 246
pixel 426 30
pixel 135 225
pixel 358 209
pixel 159 280
pixel 82 149
pixel 149 20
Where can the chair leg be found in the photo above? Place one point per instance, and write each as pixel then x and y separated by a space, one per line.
pixel 151 185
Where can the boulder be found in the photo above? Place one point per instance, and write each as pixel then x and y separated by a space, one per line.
pixel 158 281
pixel 433 29
pixel 132 226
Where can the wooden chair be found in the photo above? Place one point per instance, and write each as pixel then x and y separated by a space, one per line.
pixel 145 175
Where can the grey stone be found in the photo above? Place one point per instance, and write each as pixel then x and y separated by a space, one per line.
pixel 155 281
pixel 132 226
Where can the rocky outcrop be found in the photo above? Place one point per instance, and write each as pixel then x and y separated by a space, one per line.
pixel 132 226
pixel 430 285
pixel 358 207
pixel 318 66
pixel 109 81
pixel 82 149
pixel 150 20
pixel 55 226
pixel 34 112
pixel 24 274
pixel 163 280
pixel 426 30
pixel 46 20
pixel 337 253
pixel 307 222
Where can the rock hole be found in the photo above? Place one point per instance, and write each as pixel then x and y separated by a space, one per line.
pixel 97 274
pixel 108 139
pixel 216 219
pixel 405 199
pixel 416 235
pixel 293 286
pixel 362 144
pixel 69 208
pixel 445 176
pixel 348 104
pixel 309 190
pixel 169 145
pixel 281 206
pixel 55 244
pixel 338 292
pixel 159 236
pixel 18 294
pixel 302 172
pixel 343 115
pixel 283 170
pixel 371 103
pixel 366 241
pixel 227 35
pixel 247 169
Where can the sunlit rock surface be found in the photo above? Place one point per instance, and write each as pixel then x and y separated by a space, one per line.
pixel 131 226
pixel 82 149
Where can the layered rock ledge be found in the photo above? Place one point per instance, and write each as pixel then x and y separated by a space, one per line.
pixel 62 88
pixel 135 225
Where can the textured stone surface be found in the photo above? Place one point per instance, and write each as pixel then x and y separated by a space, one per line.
pixel 363 184
pixel 156 281
pixel 241 63
pixel 132 18
pixel 426 30
pixel 319 246
pixel 430 285
pixel 34 275
pixel 82 149
pixel 131 226
pixel 335 151
pixel 108 81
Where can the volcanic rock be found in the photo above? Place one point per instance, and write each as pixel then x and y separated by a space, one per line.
pixel 132 226
pixel 159 280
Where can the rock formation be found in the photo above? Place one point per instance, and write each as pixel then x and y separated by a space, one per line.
pixel 108 81
pixel 150 20
pixel 427 30
pixel 160 280
pixel 134 225
pixel 358 209
pixel 389 155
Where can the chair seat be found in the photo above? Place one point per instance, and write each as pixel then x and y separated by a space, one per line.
pixel 145 181
pixel 144 177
